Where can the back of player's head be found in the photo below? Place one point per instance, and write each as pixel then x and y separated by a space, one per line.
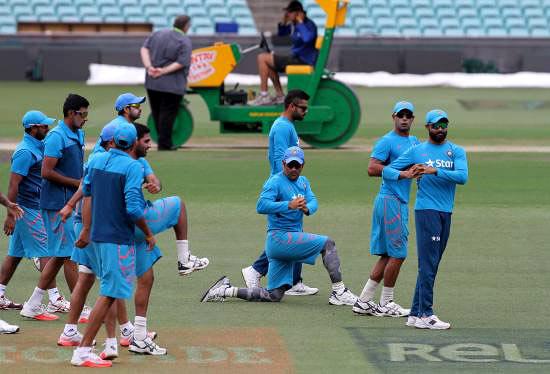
pixel 125 135
pixel 293 96
pixel 141 129
pixel 181 21
pixel 74 102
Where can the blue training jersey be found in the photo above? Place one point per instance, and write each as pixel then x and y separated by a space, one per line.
pixel 387 149
pixel 277 192
pixel 282 135
pixel 27 162
pixel 114 182
pixel 435 192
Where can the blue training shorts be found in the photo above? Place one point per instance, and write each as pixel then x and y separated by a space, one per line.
pixel 284 248
pixel 160 215
pixel 390 219
pixel 117 264
pixel 61 236
pixel 86 256
pixel 29 238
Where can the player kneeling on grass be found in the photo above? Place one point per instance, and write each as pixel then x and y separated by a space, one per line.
pixel 285 198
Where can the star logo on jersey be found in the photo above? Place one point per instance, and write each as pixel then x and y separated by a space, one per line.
pixel 430 163
pixel 436 238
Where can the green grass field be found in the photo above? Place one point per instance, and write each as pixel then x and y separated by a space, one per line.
pixel 492 283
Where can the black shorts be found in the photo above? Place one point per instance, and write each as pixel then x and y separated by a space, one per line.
pixel 282 61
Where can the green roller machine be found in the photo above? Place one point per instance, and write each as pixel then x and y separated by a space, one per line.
pixel 334 112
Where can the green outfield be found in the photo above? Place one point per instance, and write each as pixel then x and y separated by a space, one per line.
pixel 492 284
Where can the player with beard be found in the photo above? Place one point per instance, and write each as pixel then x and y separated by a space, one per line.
pixel 443 165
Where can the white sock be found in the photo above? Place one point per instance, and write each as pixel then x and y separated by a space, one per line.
pixel 140 328
pixel 182 247
pixel 230 292
pixel 70 329
pixel 54 294
pixel 2 289
pixel 386 296
pixel 368 291
pixel 83 350
pixel 110 342
pixel 36 297
pixel 126 328
pixel 338 287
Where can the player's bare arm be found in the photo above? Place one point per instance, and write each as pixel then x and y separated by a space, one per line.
pixel 375 167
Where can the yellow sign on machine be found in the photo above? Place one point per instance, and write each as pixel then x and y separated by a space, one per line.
pixel 210 65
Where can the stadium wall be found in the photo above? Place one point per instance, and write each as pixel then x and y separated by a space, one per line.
pixel 67 57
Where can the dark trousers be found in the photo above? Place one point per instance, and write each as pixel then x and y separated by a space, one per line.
pixel 261 265
pixel 164 109
pixel 432 233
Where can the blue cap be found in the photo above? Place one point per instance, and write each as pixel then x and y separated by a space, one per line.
pixel 35 117
pixel 435 115
pixel 108 132
pixel 403 105
pixel 125 135
pixel 126 99
pixel 294 154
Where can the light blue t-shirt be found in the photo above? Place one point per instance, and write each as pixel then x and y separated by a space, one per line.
pixel 281 136
pixel 27 162
pixel 277 192
pixel 387 149
pixel 435 192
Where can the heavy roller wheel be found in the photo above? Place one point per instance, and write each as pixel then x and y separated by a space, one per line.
pixel 347 114
pixel 182 130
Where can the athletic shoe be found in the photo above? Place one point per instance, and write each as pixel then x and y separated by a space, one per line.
pixel 7 304
pixel 195 263
pixel 411 321
pixel 85 314
pixel 432 323
pixel 61 305
pixel 72 339
pixel 90 360
pixel 217 291
pixel 344 298
pixel 36 263
pixel 300 289
pixel 262 100
pixel 110 352
pixel 37 312
pixel 251 277
pixel 278 99
pixel 393 309
pixel 146 347
pixel 368 308
pixel 6 328
pixel 126 337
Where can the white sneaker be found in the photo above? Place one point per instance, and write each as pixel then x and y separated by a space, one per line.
pixel 7 304
pixel 127 335
pixel 251 277
pixel 300 289
pixel 85 314
pixel 217 291
pixel 110 352
pixel 6 328
pixel 262 100
pixel 368 308
pixel 344 298
pixel 61 305
pixel 411 321
pixel 432 323
pixel 393 309
pixel 37 312
pixel 89 359
pixel 147 347
pixel 195 263
pixel 72 339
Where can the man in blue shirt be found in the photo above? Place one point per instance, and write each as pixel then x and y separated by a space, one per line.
pixel 442 165
pixel 113 206
pixel 282 136
pixel 28 235
pixel 303 33
pixel 389 232
pixel 61 173
pixel 286 197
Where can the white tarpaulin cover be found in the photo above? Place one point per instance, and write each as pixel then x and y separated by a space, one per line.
pixel 112 74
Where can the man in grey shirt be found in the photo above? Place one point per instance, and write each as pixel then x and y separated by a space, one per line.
pixel 166 56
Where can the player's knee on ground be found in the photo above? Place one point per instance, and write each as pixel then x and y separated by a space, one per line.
pixel 332 261
pixel 261 294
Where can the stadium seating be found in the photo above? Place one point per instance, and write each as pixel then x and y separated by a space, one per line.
pixel 160 13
